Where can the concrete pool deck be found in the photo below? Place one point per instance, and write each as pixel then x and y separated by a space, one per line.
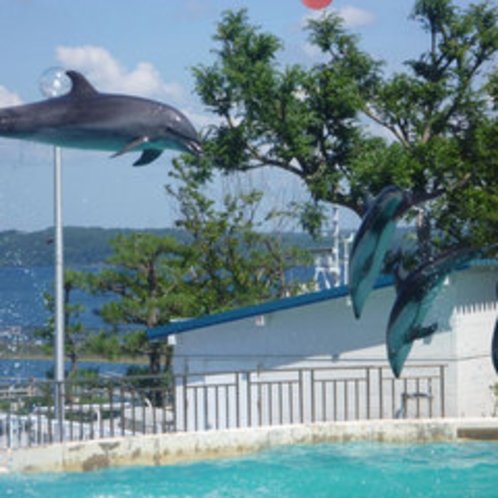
pixel 163 449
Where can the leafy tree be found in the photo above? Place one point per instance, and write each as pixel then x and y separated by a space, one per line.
pixel 231 262
pixel 304 121
pixel 437 111
pixel 146 274
pixel 311 121
pixel 151 279
pixel 76 339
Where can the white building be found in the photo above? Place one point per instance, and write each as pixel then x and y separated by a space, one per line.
pixel 318 331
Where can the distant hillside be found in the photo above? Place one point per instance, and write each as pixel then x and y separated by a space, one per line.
pixel 82 246
pixel 90 246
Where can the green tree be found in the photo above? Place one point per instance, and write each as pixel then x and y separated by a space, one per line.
pixel 224 263
pixel 76 339
pixel 304 121
pixel 310 121
pixel 231 261
pixel 146 277
pixel 437 111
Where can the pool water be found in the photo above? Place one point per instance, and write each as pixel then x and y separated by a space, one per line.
pixel 329 470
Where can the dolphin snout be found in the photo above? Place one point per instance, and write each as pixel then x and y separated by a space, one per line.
pixel 194 147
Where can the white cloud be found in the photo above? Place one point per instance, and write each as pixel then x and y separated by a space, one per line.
pixel 312 52
pixel 195 10
pixel 107 74
pixel 355 17
pixel 8 98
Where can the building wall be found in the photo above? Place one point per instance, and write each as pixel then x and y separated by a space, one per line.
pixel 473 325
pixel 313 335
pixel 327 334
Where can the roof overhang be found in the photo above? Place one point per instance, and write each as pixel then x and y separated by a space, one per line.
pixel 188 325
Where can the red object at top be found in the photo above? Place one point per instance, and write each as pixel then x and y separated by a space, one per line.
pixel 317 4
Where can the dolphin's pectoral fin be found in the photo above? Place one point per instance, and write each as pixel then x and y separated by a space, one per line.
pixel 421 332
pixel 131 146
pixel 148 155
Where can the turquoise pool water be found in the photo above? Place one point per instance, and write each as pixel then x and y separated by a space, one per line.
pixel 332 470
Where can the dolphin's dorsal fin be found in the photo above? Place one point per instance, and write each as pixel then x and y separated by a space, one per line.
pixel 80 85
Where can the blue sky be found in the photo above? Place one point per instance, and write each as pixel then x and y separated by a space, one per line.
pixel 147 48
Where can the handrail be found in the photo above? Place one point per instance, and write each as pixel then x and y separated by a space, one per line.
pixel 121 406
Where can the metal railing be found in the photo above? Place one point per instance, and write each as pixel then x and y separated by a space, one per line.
pixel 123 406
pixel 262 398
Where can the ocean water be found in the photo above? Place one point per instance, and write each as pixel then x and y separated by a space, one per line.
pixel 22 369
pixel 22 309
pixel 331 470
pixel 22 302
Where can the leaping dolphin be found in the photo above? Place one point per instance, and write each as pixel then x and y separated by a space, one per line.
pixel 374 238
pixel 87 119
pixel 414 299
pixel 371 243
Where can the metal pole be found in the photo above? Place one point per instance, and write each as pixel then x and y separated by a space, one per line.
pixel 54 83
pixel 59 295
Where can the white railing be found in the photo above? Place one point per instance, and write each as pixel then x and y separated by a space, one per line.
pixel 117 407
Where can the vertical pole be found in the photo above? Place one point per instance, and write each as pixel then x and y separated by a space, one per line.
pixel 381 393
pixel 442 390
pixel 59 295
pixel 54 83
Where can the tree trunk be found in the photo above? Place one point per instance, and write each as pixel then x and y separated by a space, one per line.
pixel 155 359
pixel 155 394
pixel 424 236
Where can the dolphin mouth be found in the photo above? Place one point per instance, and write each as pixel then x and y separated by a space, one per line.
pixel 194 147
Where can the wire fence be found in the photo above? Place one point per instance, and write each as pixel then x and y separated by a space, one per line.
pixel 129 406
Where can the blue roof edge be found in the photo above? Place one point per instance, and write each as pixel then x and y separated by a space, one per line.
pixel 188 325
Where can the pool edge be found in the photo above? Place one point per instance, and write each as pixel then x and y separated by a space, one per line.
pixel 163 449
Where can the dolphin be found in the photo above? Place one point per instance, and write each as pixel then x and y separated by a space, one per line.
pixel 371 243
pixel 414 299
pixel 374 238
pixel 87 119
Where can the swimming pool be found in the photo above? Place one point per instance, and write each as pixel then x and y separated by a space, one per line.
pixel 340 469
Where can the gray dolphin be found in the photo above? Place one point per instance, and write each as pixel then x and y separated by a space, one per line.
pixel 87 119
pixel 414 299
pixel 374 238
pixel 371 243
